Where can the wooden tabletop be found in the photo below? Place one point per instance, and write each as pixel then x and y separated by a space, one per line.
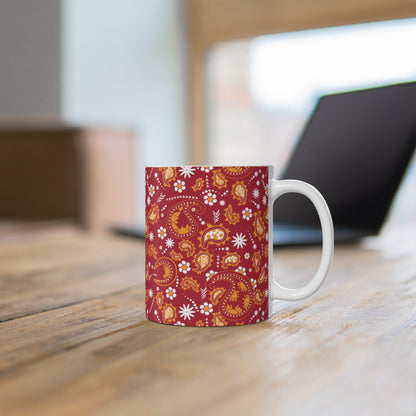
pixel 74 339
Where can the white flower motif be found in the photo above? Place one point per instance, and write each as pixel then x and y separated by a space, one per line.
pixel 184 267
pixel 151 236
pixel 253 283
pixel 148 200
pixel 151 190
pixel 241 269
pixel 247 213
pixel 247 255
pixel 256 193
pixel 150 293
pixel 239 240
pixel 206 168
pixel 264 200
pixel 206 308
pixel 169 242
pixel 210 199
pixel 179 186
pixel 161 232
pixel 179 323
pixel 186 171
pixel 170 293
pixel 186 312
pixel 210 274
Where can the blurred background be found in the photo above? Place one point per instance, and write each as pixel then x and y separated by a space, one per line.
pixel 93 91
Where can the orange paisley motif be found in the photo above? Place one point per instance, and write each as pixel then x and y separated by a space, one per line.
pixel 202 261
pixel 262 276
pixel 175 256
pixel 230 260
pixel 165 270
pixel 159 299
pixel 187 247
pixel 199 183
pixel 151 251
pixel 218 179
pixel 259 297
pixel 230 216
pixel 168 175
pixel 213 234
pixel 259 226
pixel 190 283
pixel 153 213
pixel 256 261
pixel 180 221
pixel 222 286
pixel 168 314
pixel 239 192
pixel 218 320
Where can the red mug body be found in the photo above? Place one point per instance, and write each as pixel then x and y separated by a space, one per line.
pixel 207 245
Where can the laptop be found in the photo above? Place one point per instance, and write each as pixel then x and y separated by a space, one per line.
pixel 354 149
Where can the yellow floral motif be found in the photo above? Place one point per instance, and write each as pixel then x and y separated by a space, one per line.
pixel 234 296
pixel 233 311
pixel 246 301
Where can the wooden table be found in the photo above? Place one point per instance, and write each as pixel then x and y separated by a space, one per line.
pixel 74 339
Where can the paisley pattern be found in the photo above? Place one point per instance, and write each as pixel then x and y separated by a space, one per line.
pixel 207 245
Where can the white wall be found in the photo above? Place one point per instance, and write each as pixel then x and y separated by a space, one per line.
pixel 123 64
pixel 30 64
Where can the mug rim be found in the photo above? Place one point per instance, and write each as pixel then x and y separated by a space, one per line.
pixel 211 165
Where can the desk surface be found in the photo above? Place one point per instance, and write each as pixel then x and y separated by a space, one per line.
pixel 74 339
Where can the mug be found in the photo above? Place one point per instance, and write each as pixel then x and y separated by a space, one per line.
pixel 209 244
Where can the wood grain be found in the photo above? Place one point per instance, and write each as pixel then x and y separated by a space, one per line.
pixel 349 349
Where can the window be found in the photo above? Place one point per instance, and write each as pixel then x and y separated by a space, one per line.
pixel 261 91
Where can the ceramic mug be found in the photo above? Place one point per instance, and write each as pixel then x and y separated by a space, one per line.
pixel 209 244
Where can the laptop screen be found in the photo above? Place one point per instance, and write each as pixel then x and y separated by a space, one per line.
pixel 354 150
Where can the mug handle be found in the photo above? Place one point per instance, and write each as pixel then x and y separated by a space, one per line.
pixel 281 187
